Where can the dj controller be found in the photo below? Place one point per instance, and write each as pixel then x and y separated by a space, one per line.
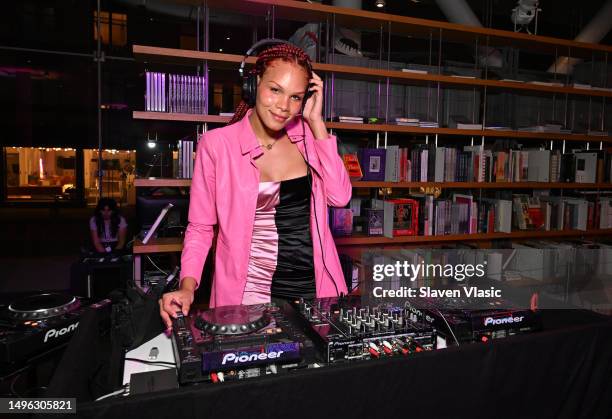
pixel 36 324
pixel 464 320
pixel 344 330
pixel 236 342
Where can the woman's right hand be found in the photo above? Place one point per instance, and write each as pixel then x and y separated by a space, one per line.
pixel 174 301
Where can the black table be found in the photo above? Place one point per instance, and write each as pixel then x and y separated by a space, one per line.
pixel 562 372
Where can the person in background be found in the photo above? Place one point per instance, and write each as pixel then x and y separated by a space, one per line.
pixel 107 227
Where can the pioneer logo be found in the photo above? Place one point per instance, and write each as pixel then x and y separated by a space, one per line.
pixel 503 320
pixel 240 359
pixel 54 333
pixel 420 314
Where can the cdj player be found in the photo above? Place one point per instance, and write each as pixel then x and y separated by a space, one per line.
pixel 236 342
pixel 35 324
pixel 466 320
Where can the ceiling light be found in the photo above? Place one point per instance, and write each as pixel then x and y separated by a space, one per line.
pixel 380 3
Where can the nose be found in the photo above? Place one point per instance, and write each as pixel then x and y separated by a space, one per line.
pixel 283 103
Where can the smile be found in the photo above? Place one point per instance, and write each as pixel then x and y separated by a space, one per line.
pixel 279 118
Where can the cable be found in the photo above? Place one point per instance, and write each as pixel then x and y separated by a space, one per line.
pixel 307 159
pixel 123 390
pixel 448 325
pixel 158 363
pixel 157 267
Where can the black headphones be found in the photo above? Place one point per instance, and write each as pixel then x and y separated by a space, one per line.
pixel 249 81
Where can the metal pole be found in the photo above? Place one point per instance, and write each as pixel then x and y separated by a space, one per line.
pixel 99 68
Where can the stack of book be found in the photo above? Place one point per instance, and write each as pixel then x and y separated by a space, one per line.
pixel 174 93
pixel 351 119
pixel 185 155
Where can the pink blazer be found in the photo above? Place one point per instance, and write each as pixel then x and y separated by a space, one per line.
pixel 224 192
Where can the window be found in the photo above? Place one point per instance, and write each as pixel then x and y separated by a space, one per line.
pixel 113 28
pixel 118 173
pixel 40 174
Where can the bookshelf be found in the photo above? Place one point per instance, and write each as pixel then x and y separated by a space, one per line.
pixel 427 29
pixel 379 240
pixel 343 126
pixel 232 61
pixel 175 244
pixel 158 182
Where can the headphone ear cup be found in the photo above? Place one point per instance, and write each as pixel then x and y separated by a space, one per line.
pixel 249 90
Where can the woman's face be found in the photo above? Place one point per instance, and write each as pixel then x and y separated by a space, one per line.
pixel 279 94
pixel 106 213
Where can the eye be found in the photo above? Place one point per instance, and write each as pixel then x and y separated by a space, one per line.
pixel 274 89
pixel 297 98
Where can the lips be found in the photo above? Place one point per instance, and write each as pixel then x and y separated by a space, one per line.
pixel 278 118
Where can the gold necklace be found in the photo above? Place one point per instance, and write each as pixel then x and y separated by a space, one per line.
pixel 268 146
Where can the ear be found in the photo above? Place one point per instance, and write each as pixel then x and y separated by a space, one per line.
pixel 258 80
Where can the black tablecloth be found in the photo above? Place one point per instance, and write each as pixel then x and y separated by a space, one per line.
pixel 562 372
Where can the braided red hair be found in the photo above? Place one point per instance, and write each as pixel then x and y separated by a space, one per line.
pixel 284 52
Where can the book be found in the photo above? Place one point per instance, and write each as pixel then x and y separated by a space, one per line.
pixel 586 167
pixel 341 221
pixel 392 164
pixel 375 221
pixel 351 162
pixel 373 162
pixel 400 216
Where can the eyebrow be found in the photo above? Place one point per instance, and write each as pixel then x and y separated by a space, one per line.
pixel 281 87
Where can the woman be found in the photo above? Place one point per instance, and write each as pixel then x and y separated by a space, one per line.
pixel 265 181
pixel 107 227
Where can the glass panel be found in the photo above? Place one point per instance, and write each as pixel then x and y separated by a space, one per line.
pixel 118 173
pixel 40 174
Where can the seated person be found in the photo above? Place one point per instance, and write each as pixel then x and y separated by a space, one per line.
pixel 108 228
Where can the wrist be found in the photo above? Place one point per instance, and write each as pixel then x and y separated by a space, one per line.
pixel 319 130
pixel 189 284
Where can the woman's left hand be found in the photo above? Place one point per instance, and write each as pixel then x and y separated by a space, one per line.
pixel 314 105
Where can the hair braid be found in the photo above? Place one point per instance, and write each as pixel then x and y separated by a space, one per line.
pixel 285 52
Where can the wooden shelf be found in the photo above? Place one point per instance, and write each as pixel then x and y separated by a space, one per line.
pixel 159 245
pixel 183 117
pixel 159 182
pixel 175 244
pixel 379 240
pixel 403 25
pixel 229 61
pixel 343 126
pixel 464 132
pixel 481 185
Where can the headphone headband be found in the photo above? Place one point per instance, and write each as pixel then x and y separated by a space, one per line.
pixel 257 46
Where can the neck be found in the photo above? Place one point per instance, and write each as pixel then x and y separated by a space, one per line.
pixel 261 131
